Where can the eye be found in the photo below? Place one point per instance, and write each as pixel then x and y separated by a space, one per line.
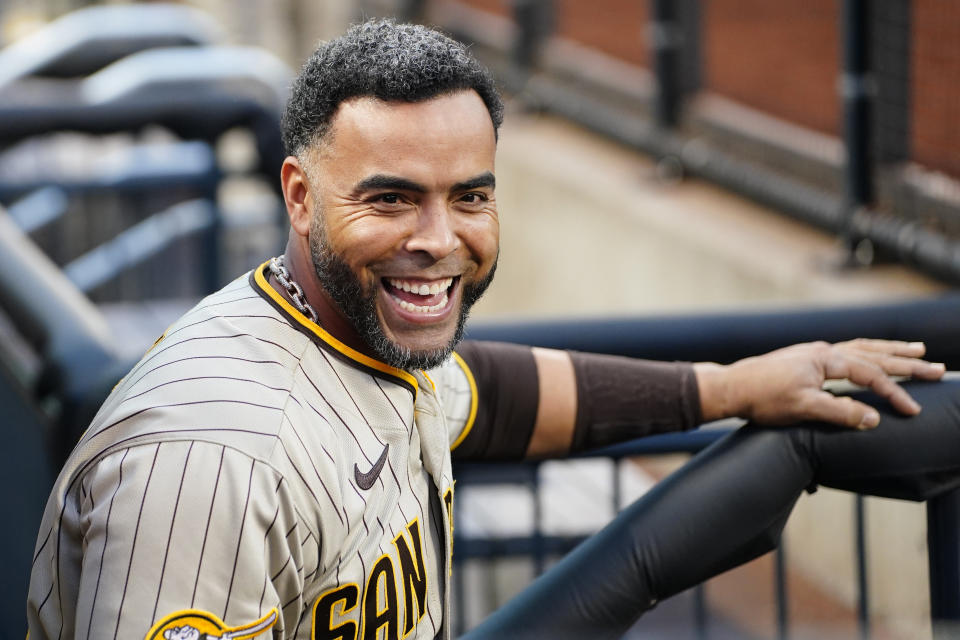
pixel 474 197
pixel 389 201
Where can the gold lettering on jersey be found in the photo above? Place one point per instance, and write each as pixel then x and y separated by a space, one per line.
pixel 336 615
pixel 335 602
pixel 373 616
pixel 413 575
pixel 194 624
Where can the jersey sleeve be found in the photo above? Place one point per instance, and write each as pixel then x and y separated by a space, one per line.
pixel 188 534
pixel 457 391
pixel 504 390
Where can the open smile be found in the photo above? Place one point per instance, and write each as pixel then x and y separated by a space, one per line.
pixel 421 298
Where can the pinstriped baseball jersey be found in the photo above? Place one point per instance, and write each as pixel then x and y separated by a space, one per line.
pixel 253 477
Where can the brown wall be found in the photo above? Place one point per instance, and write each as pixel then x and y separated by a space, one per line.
pixel 498 7
pixel 935 95
pixel 783 58
pixel 779 57
pixel 615 27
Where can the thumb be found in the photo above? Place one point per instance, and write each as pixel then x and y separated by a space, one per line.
pixel 843 411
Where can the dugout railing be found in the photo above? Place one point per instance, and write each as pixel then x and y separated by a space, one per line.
pixel 726 337
pixel 111 122
pixel 112 128
pixel 84 41
pixel 190 97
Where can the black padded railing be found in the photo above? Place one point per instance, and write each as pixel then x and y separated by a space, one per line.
pixel 726 337
pixel 84 41
pixel 198 93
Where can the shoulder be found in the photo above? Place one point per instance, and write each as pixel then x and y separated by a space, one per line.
pixel 222 373
pixel 235 317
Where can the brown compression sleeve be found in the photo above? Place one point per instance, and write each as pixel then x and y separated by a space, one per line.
pixel 508 395
pixel 621 398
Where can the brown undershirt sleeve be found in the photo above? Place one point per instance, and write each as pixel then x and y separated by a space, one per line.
pixel 618 399
pixel 621 398
pixel 509 393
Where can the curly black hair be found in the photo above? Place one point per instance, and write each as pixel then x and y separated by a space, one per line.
pixel 385 60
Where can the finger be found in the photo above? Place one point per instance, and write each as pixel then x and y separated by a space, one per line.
pixel 842 410
pixel 869 374
pixel 892 347
pixel 900 366
pixel 930 371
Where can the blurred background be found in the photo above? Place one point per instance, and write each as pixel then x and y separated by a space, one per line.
pixel 717 177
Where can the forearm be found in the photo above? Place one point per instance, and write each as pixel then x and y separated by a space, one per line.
pixel 576 401
pixel 590 400
pixel 553 430
pixel 623 398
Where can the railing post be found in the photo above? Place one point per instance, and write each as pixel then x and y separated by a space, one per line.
pixel 539 553
pixel 856 90
pixel 617 487
pixel 700 612
pixel 943 554
pixel 890 40
pixel 534 20
pixel 863 587
pixel 780 582
pixel 411 10
pixel 664 39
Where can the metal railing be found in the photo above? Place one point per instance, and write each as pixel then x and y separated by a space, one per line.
pixel 539 546
pixel 725 338
pixel 84 41
pixel 145 96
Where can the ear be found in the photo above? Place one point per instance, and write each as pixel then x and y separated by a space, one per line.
pixel 296 195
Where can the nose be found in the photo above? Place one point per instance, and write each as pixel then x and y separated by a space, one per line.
pixel 434 233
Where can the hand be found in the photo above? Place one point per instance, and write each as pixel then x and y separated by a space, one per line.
pixel 786 385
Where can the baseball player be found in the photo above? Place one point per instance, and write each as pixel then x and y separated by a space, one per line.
pixel 279 463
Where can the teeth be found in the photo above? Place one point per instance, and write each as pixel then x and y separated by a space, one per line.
pixel 421 309
pixel 421 289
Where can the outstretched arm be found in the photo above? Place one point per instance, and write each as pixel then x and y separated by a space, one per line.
pixel 781 387
pixel 532 402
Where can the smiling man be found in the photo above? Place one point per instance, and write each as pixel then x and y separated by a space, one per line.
pixel 394 211
pixel 279 463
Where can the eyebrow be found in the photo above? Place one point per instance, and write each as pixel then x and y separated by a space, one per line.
pixel 485 179
pixel 386 181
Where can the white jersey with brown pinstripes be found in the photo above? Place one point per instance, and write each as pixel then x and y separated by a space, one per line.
pixel 253 477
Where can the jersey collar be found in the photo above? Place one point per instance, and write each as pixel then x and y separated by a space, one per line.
pixel 324 338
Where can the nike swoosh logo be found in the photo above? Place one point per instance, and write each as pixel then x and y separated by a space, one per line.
pixel 366 480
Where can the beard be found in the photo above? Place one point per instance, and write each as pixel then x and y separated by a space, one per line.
pixel 359 306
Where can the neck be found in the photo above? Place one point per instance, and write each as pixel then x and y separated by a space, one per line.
pixel 299 263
